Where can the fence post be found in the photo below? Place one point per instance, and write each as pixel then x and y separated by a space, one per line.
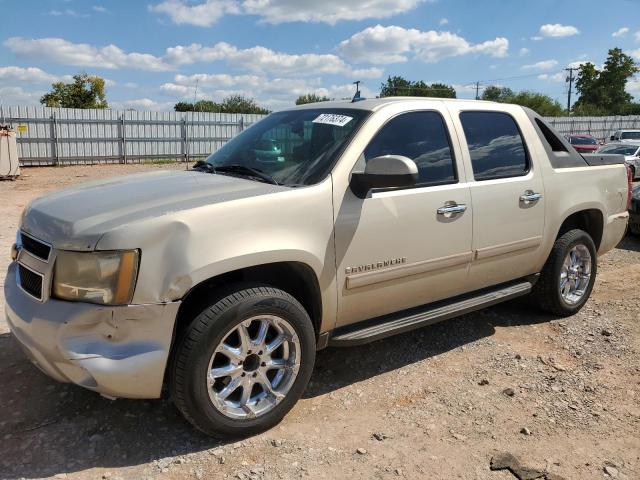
pixel 54 126
pixel 185 139
pixel 241 124
pixel 123 138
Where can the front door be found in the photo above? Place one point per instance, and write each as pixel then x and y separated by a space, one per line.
pixel 402 248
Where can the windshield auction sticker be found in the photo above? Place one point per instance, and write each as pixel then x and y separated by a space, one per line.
pixel 333 119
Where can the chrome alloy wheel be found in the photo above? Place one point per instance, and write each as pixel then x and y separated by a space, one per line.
pixel 575 274
pixel 253 367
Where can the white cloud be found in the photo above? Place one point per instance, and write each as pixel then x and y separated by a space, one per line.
pixel 201 15
pixel 61 51
pixel 26 75
pixel 264 60
pixel 637 35
pixel 620 32
pixel 443 21
pixel 257 59
pixel 142 104
pixel 556 77
pixel 557 30
pixel 523 52
pixel 67 13
pixel 205 14
pixel 19 96
pixel 541 66
pixel 392 44
pixel 578 63
pixel 99 9
pixel 635 53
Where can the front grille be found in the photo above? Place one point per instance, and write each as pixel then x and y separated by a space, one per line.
pixel 30 281
pixel 35 247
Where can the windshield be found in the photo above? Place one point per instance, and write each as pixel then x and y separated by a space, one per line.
pixel 630 135
pixel 620 149
pixel 295 147
pixel 582 141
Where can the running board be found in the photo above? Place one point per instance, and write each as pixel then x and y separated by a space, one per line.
pixel 407 320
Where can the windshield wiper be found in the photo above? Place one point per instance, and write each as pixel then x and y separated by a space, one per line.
pixel 245 171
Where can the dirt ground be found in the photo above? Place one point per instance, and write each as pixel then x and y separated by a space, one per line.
pixel 562 395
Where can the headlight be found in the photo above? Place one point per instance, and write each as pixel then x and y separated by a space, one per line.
pixel 107 277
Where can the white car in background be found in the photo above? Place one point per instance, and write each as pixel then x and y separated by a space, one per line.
pixel 625 136
pixel 631 152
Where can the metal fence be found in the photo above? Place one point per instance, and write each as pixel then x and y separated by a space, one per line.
pixel 57 136
pixel 599 127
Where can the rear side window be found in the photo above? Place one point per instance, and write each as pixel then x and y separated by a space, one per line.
pixel 495 144
pixel 422 137
pixel 552 139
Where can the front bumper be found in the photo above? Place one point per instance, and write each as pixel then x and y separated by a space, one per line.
pixel 117 351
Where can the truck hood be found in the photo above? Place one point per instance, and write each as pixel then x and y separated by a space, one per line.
pixel 76 218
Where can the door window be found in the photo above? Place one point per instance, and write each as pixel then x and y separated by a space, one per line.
pixel 495 144
pixel 422 137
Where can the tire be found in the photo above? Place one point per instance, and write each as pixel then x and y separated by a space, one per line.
pixel 219 331
pixel 547 293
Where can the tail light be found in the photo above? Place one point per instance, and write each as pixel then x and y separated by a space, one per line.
pixel 629 186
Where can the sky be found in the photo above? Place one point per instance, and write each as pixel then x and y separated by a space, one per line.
pixel 155 53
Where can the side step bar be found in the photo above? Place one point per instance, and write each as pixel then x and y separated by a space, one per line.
pixel 407 320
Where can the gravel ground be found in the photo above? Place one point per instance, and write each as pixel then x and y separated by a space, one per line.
pixel 561 395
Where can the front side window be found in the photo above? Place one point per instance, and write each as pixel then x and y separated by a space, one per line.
pixel 496 147
pixel 294 147
pixel 422 137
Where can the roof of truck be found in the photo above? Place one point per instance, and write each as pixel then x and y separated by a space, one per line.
pixel 375 103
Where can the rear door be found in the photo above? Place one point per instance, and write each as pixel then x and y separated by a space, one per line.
pixel 507 193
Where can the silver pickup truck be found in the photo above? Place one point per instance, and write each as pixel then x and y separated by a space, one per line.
pixel 331 224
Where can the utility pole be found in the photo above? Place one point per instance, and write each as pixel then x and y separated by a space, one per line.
pixel 477 90
pixel 195 93
pixel 570 80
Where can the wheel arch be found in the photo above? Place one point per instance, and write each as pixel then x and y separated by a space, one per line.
pixel 296 278
pixel 591 220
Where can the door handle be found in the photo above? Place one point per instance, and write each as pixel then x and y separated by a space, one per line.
pixel 530 196
pixel 456 208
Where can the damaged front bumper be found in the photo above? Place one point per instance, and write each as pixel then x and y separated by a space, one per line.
pixel 118 351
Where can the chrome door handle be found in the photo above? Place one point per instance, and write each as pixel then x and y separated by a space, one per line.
pixel 529 196
pixel 457 208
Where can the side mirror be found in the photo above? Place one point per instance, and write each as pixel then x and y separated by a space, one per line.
pixel 387 171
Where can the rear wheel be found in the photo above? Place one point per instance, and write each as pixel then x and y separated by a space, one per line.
pixel 567 279
pixel 244 362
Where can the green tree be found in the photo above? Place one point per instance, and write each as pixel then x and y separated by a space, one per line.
pixel 541 104
pixel 199 106
pixel 399 86
pixel 605 90
pixel 240 104
pixel 86 91
pixel 231 104
pixel 494 93
pixel 311 98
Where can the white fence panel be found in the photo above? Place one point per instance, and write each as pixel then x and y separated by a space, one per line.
pixel 52 136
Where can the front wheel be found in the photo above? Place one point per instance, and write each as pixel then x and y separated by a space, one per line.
pixel 567 279
pixel 244 362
